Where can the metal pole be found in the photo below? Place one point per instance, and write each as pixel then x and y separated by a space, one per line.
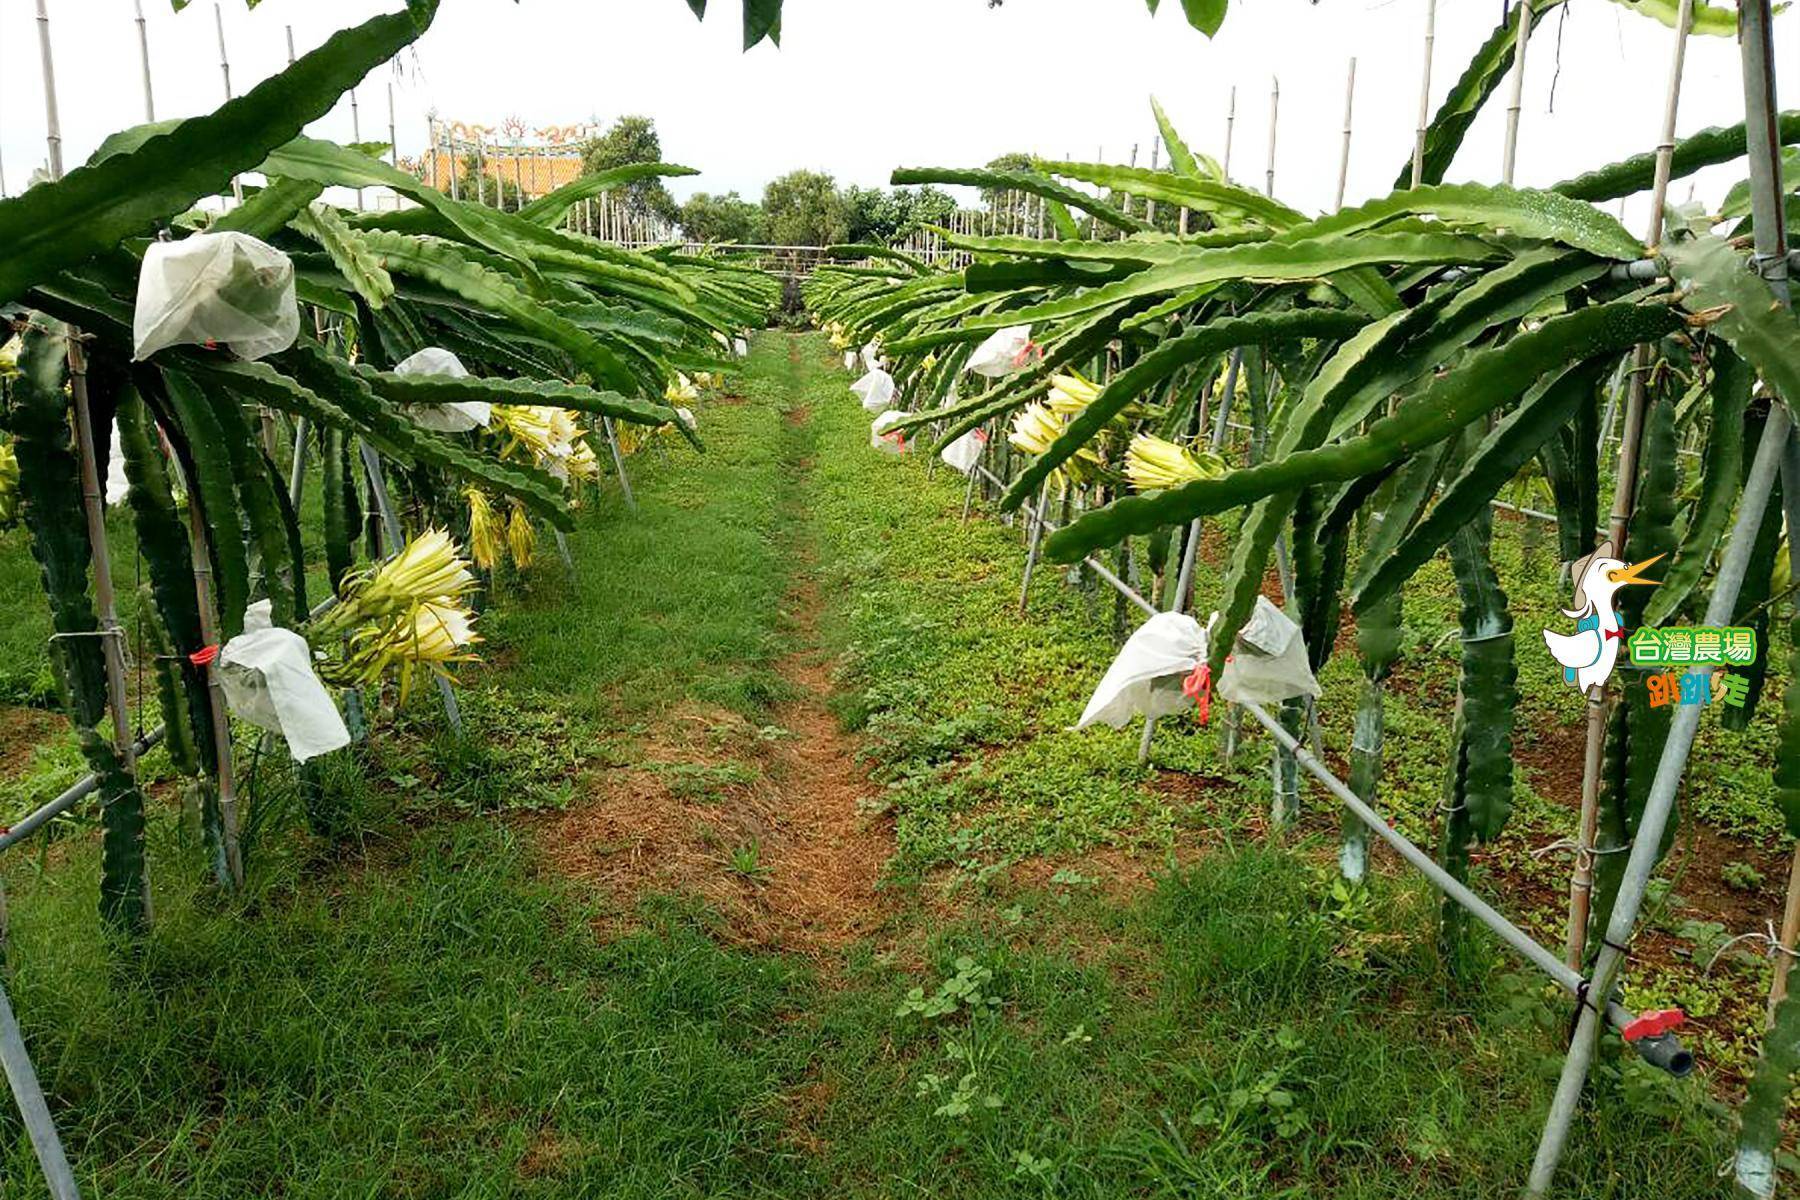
pixel 1757 55
pixel 1418 163
pixel 612 443
pixel 1581 880
pixel 393 132
pixel 1190 548
pixel 1031 546
pixel 395 537
pixel 1646 844
pixel 1520 941
pixel 29 1096
pixel 80 790
pixel 143 33
pixel 1510 153
pixel 1344 156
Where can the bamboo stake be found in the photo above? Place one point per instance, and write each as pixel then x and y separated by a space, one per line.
pixel 112 634
pixel 393 132
pixel 1150 205
pixel 356 137
pixel 1418 163
pixel 237 184
pixel 225 773
pixel 1274 110
pixel 1757 56
pixel 1230 121
pixel 1510 154
pixel 143 34
pixel 1344 156
pixel 1581 881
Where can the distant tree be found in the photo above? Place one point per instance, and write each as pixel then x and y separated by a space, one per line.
pixel 632 140
pixel 727 218
pixel 868 215
pixel 927 206
pixel 878 216
pixel 1011 207
pixel 803 208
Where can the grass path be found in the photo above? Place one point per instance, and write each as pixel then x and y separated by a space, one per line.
pixel 770 869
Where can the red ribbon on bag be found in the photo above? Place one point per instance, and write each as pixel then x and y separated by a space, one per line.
pixel 205 656
pixel 1025 354
pixel 1198 688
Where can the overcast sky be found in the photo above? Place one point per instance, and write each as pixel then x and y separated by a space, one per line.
pixel 859 87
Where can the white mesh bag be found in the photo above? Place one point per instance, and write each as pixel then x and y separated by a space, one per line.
pixel 267 675
pixel 1001 354
pixel 458 416
pixel 1269 662
pixel 875 390
pixel 884 437
pixel 1145 677
pixel 965 451
pixel 215 289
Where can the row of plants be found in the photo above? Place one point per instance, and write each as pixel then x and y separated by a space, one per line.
pixel 1394 365
pixel 546 335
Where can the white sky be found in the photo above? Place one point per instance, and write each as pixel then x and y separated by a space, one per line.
pixel 861 86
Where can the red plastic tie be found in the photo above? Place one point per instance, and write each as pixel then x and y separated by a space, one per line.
pixel 1198 688
pixel 981 436
pixel 205 656
pixel 1025 354
pixel 1654 1023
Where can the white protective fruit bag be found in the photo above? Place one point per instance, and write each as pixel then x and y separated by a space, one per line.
pixel 215 288
pixel 875 390
pixel 1002 354
pixel 883 436
pixel 849 360
pixel 268 679
pixel 965 451
pixel 1145 678
pixel 458 416
pixel 1269 662
pixel 871 358
pixel 118 484
pixel 740 347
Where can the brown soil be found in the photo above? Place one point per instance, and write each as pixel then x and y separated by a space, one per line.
pixel 21 731
pixel 818 856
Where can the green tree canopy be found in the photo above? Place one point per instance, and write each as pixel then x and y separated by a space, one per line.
pixel 803 208
pixel 727 218
pixel 632 139
pixel 879 216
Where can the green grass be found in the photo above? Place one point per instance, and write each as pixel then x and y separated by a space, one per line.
pixel 421 1010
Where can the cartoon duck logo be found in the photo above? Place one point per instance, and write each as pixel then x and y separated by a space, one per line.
pixel 1587 655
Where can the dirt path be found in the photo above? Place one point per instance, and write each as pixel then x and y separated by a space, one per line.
pixel 784 852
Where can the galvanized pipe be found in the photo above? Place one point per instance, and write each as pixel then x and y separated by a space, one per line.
pixel 75 794
pixel 1757 56
pixel 1521 942
pixel 29 1095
